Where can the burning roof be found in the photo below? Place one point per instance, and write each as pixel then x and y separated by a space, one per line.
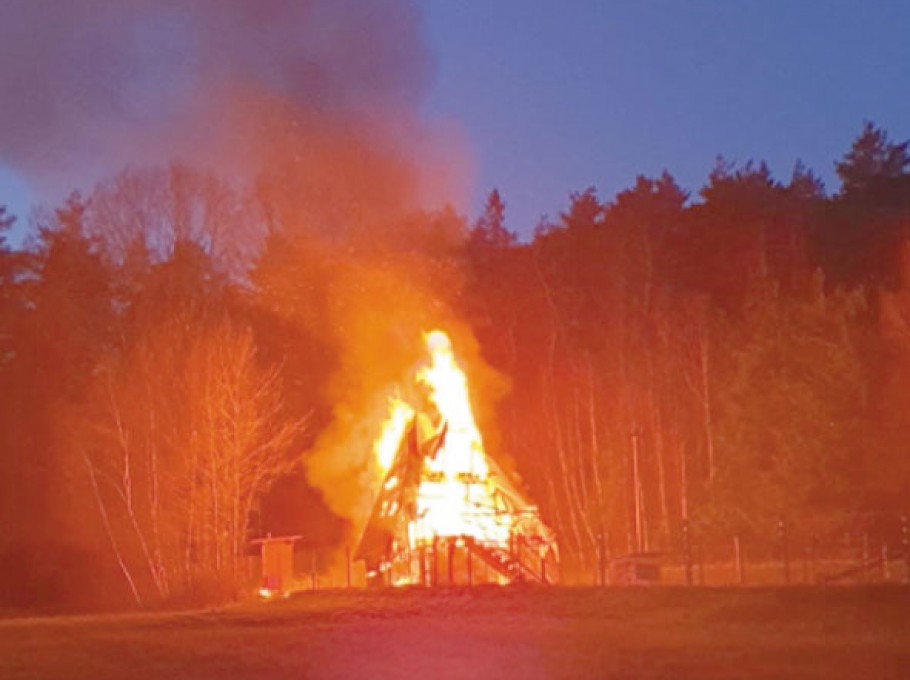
pixel 440 485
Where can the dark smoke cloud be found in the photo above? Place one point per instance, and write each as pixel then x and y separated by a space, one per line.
pixel 315 103
pixel 89 86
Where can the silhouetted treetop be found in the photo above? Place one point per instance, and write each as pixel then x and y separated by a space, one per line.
pixel 872 157
pixel 585 210
pixel 805 184
pixel 6 223
pixel 490 228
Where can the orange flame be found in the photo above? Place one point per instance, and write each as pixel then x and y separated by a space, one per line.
pixel 386 445
pixel 456 496
pixel 462 453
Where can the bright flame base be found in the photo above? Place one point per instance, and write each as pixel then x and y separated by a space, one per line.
pixel 442 495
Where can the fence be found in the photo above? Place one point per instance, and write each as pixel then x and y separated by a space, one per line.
pixel 873 549
pixel 821 552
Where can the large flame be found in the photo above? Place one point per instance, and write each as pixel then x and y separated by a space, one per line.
pixel 456 496
pixel 386 445
pixel 462 453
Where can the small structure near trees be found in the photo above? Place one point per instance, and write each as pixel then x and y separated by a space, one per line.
pixel 277 564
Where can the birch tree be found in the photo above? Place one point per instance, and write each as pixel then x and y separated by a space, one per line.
pixel 187 432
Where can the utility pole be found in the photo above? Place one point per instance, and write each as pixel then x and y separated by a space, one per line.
pixel 636 491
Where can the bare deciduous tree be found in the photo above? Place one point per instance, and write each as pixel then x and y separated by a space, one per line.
pixel 186 433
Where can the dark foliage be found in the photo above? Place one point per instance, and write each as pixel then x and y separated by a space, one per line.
pixel 745 353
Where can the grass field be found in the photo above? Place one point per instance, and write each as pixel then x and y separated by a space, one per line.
pixel 486 632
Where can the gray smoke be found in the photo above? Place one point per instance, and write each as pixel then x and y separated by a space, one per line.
pixel 89 86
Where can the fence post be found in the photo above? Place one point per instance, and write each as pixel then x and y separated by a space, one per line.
pixel 469 565
pixel 347 560
pixel 434 565
pixel 422 556
pixel 782 532
pixel 450 559
pixel 865 557
pixel 701 564
pixel 602 559
pixel 812 557
pixel 905 544
pixel 687 551
pixel 738 555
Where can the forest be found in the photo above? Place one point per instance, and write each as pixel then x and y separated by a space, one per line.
pixel 187 363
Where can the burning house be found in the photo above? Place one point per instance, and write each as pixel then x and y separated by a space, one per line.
pixel 445 512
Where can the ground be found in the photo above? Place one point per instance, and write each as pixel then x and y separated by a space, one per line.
pixel 487 632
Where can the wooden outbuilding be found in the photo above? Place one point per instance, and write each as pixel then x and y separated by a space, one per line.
pixel 277 564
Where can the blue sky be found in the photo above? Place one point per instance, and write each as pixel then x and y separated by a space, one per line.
pixel 555 96
pixel 558 96
pixel 15 195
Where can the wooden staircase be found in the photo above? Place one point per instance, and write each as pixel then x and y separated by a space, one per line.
pixel 507 564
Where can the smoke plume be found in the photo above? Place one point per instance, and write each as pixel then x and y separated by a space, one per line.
pixel 379 318
pixel 313 103
pixel 90 86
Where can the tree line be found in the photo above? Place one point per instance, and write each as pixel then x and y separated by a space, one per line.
pixel 173 348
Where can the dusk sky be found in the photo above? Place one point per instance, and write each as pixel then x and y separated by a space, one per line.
pixel 273 378
pixel 559 96
pixel 553 97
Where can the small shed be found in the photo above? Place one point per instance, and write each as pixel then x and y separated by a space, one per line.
pixel 277 564
pixel 636 569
